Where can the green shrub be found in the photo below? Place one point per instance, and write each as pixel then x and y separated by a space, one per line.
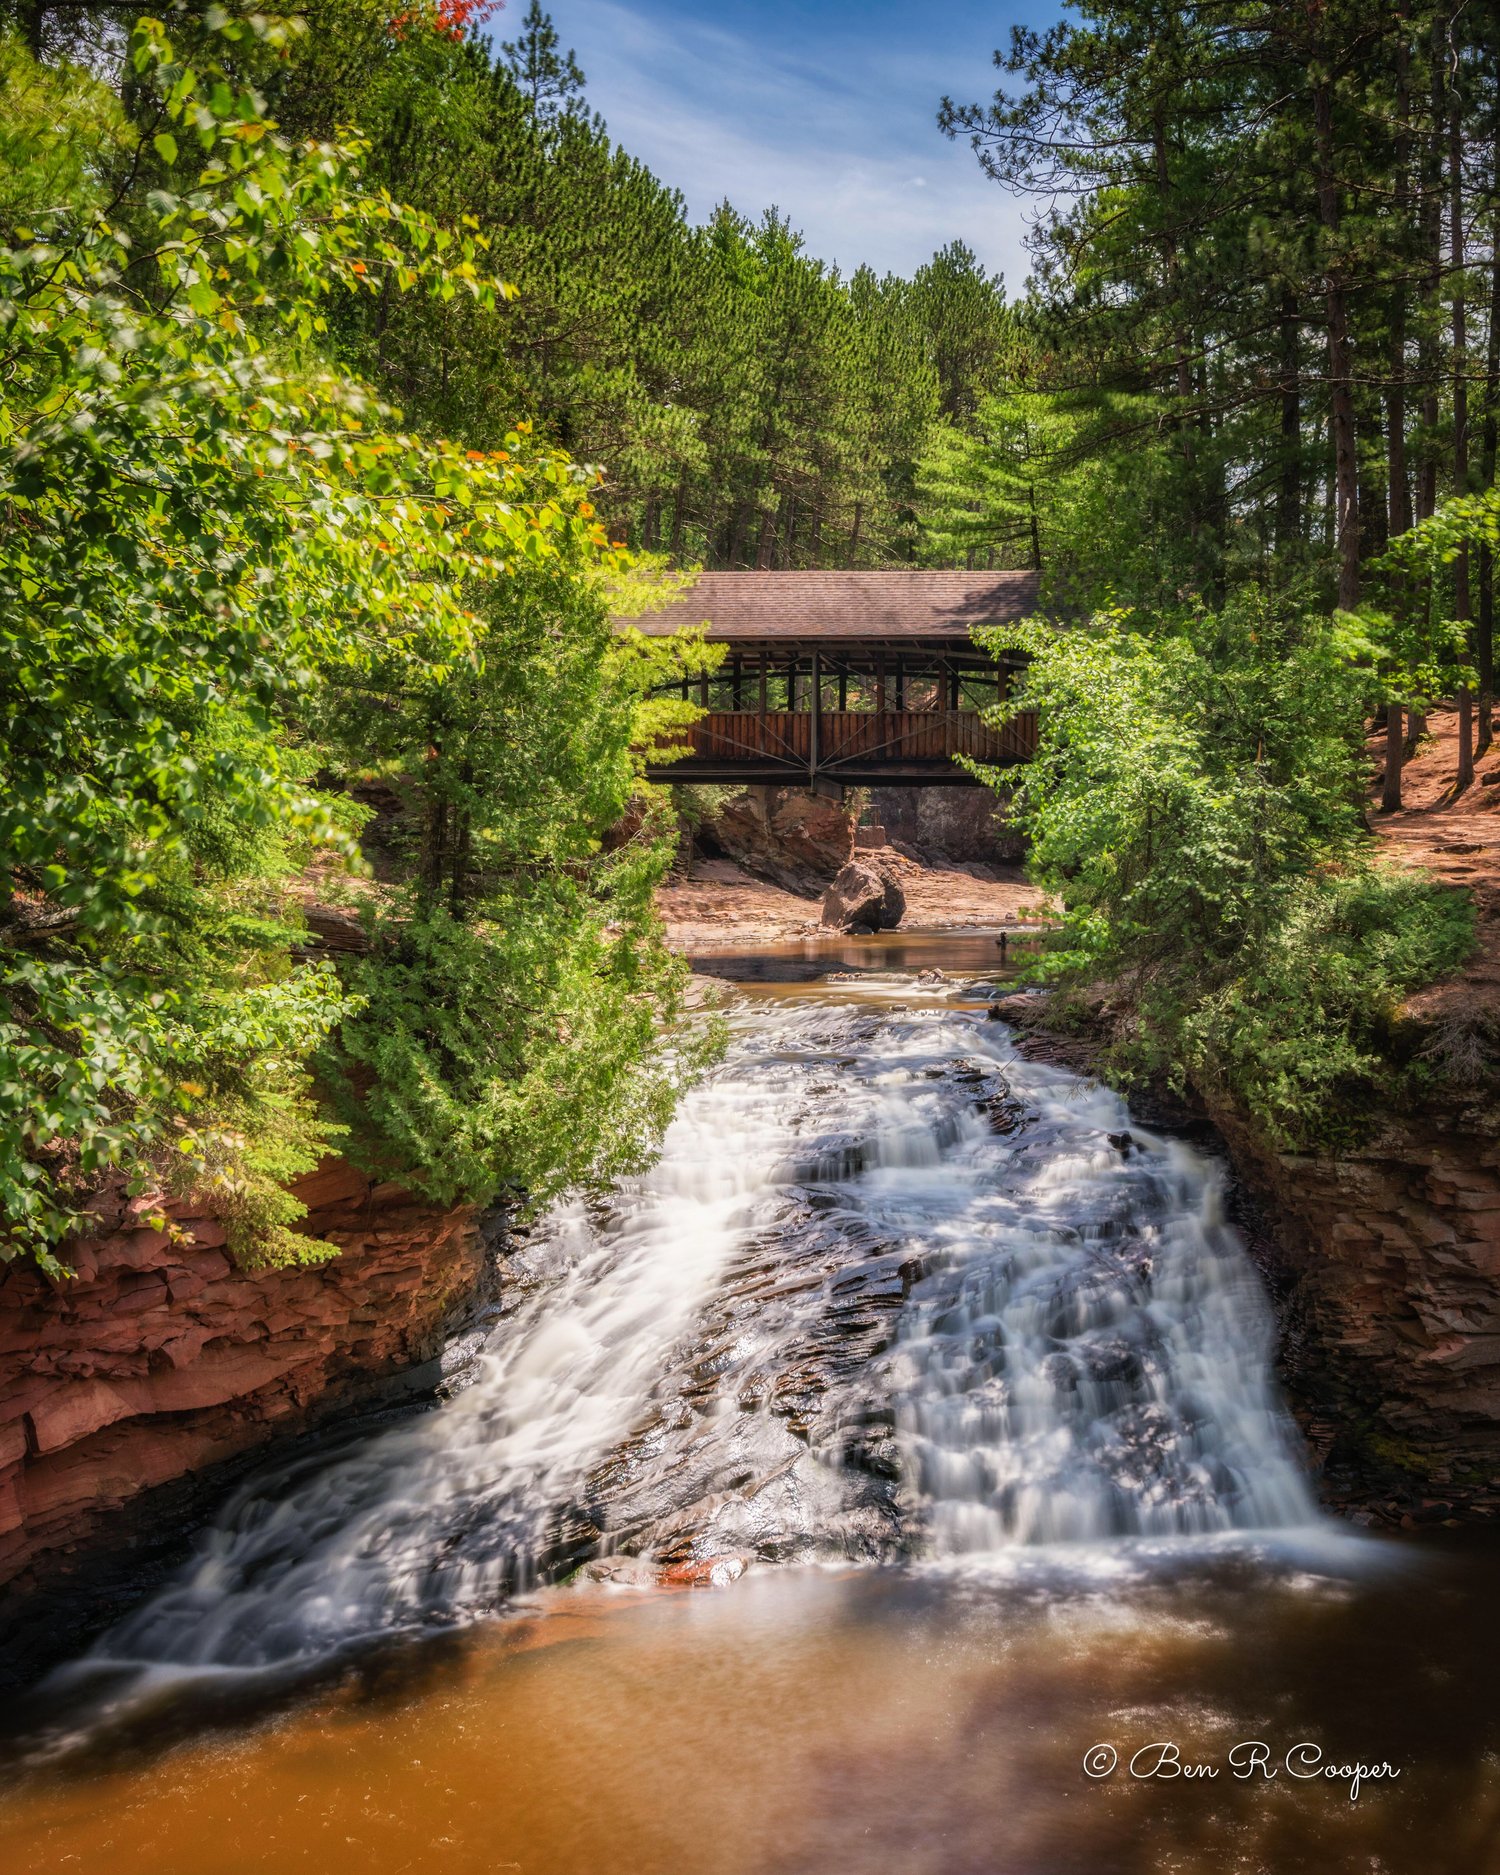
pixel 1195 806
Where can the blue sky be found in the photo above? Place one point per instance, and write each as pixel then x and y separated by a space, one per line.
pixel 824 107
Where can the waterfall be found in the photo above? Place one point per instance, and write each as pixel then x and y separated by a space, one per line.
pixel 1092 1358
pixel 1084 1354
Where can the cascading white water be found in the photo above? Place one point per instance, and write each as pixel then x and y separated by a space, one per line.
pixel 1091 1359
pixel 451 1510
pixel 1086 1355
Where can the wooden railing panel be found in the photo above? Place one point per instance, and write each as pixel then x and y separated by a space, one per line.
pixel 866 736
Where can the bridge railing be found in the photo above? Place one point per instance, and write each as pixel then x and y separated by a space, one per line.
pixel 871 738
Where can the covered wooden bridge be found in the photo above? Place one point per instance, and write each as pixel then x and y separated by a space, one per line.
pixel 848 679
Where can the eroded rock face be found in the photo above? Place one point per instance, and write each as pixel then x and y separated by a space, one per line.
pixel 159 1361
pixel 796 839
pixel 773 1441
pixel 1388 1262
pixel 964 824
pixel 864 896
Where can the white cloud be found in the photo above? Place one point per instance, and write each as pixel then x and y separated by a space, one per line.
pixel 833 137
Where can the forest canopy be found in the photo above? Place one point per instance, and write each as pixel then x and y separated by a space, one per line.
pixel 245 606
pixel 1247 431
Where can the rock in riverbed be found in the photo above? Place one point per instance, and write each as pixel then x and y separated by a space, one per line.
pixel 864 896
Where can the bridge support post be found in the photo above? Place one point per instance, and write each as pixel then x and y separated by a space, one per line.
pixel 812 728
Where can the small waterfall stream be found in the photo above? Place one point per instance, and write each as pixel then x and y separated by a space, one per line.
pixel 1092 1358
pixel 1077 1350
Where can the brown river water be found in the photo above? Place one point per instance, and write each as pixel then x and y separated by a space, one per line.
pixel 950 1391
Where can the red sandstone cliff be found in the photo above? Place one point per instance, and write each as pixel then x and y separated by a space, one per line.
pixel 796 839
pixel 160 1361
pixel 1386 1260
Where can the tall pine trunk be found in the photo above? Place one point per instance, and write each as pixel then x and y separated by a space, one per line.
pixel 1398 489
pixel 1340 370
pixel 1484 636
pixel 1465 775
pixel 1390 793
pixel 1430 231
pixel 764 543
pixel 679 517
pixel 1289 484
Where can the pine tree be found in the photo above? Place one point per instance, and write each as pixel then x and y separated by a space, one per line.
pixel 551 81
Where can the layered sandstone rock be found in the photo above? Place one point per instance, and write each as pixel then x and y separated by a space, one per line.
pixel 1387 1263
pixel 158 1361
pixel 963 824
pixel 796 839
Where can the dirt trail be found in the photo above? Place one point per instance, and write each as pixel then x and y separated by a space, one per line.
pixel 1454 837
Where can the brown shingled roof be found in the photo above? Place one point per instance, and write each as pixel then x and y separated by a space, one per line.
pixel 902 603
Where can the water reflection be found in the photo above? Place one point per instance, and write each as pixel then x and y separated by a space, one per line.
pixel 993 955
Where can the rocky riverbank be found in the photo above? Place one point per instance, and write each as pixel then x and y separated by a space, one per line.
pixel 133 1392
pixel 716 903
pixel 758 862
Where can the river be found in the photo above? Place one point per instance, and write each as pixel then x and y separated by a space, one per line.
pixel 892 1479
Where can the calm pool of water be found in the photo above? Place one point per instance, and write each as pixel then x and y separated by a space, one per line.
pixel 803 1723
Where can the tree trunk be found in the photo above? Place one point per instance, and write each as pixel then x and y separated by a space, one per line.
pixel 1182 338
pixel 1172 267
pixel 736 535
pixel 1431 227
pixel 1398 489
pixel 1390 794
pixel 458 896
pixel 679 515
pixel 1484 637
pixel 1465 775
pixel 1374 503
pixel 763 545
pixel 1341 389
pixel 437 833
pixel 1289 487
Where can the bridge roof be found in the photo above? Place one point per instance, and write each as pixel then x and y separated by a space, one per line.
pixel 906 603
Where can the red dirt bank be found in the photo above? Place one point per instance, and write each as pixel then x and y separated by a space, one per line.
pixel 1456 838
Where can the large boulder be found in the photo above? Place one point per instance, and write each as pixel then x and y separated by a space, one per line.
pixel 793 838
pixel 864 896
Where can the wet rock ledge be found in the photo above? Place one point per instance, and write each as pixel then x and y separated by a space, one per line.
pixel 133 1393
